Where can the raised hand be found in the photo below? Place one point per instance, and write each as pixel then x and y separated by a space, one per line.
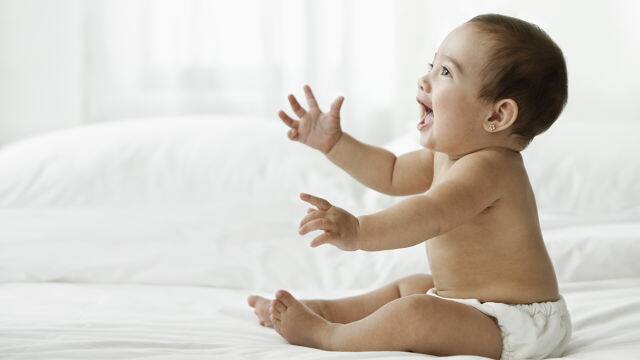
pixel 340 227
pixel 315 128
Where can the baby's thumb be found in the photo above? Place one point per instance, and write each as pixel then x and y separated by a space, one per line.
pixel 336 105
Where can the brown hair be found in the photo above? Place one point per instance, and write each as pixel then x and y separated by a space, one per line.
pixel 525 65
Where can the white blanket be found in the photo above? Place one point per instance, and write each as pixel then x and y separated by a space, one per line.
pixel 92 321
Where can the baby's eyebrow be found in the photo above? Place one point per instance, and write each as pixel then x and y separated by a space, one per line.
pixel 452 60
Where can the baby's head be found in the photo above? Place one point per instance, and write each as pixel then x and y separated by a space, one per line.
pixel 496 81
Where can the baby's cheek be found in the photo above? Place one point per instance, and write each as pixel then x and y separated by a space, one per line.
pixel 450 124
pixel 451 106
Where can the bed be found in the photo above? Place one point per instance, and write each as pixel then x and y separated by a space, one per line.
pixel 142 238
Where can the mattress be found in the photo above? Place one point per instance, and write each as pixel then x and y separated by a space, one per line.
pixel 115 321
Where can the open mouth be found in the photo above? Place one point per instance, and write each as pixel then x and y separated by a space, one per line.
pixel 426 115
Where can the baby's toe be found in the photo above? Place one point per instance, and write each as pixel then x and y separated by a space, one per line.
pixel 285 297
pixel 279 306
pixel 273 311
pixel 275 315
pixel 264 306
pixel 251 300
pixel 277 325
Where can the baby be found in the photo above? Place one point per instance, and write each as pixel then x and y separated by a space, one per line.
pixel 495 83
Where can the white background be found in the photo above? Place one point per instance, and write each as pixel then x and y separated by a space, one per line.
pixel 65 63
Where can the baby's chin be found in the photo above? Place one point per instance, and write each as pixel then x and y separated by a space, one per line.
pixel 426 141
pixel 427 146
pixel 442 145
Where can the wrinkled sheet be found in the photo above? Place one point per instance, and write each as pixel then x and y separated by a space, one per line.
pixel 116 321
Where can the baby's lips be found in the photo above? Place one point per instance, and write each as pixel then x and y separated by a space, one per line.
pixel 424 104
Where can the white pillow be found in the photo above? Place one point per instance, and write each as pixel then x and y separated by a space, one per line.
pixel 194 201
pixel 188 161
pixel 595 250
pixel 586 167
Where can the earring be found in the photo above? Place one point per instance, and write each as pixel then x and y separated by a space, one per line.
pixel 492 127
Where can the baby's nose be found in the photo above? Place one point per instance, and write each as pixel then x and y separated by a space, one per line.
pixel 423 84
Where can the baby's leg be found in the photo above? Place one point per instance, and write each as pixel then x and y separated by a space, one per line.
pixel 354 308
pixel 349 309
pixel 416 323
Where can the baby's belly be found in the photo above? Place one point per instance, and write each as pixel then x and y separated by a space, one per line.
pixel 506 272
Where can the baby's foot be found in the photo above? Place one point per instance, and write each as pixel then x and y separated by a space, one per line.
pixel 297 323
pixel 261 306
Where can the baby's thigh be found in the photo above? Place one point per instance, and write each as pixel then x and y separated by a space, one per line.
pixel 441 327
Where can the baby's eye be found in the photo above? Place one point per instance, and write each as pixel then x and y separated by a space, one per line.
pixel 445 71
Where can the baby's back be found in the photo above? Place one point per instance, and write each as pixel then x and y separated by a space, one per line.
pixel 499 255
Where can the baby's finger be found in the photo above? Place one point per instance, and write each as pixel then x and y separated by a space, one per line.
pixel 311 216
pixel 320 203
pixel 311 100
pixel 322 239
pixel 288 120
pixel 317 224
pixel 295 105
pixel 310 210
pixel 292 134
pixel 336 105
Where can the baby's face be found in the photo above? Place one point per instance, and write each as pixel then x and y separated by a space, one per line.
pixel 451 89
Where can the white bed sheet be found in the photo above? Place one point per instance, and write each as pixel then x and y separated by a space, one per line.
pixel 102 321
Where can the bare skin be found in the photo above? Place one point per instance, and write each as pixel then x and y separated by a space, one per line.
pixel 351 308
pixel 473 207
pixel 262 308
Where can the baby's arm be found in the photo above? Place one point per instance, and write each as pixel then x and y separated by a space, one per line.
pixel 381 170
pixel 471 185
pixel 374 167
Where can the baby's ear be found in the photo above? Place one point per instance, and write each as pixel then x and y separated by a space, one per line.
pixel 505 113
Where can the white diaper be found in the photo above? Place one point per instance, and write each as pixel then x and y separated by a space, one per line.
pixel 529 331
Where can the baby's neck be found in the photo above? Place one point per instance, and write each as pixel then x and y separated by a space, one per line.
pixel 456 157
